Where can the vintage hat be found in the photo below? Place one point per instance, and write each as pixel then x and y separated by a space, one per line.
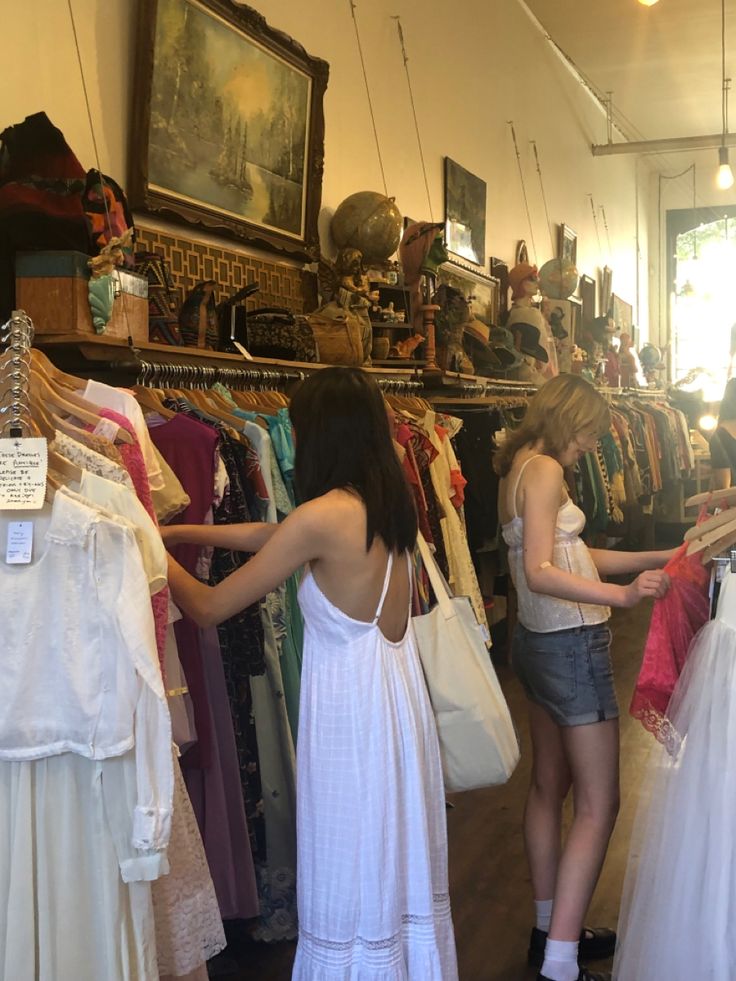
pixel 519 273
pixel 502 342
pixel 602 328
pixel 530 338
pixel 483 355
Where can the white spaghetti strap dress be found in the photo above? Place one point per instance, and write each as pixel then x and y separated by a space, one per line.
pixel 371 831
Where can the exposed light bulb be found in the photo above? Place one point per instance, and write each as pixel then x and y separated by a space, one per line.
pixel 648 3
pixel 724 177
pixel 707 422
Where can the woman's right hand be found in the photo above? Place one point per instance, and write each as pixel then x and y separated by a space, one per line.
pixel 652 584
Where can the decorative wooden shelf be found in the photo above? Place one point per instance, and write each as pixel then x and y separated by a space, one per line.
pixel 111 351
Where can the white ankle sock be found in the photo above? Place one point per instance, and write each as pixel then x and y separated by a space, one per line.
pixel 543 909
pixel 561 960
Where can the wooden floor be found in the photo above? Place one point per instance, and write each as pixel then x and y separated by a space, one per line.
pixel 489 881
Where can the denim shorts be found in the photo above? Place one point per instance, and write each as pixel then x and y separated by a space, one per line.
pixel 567 672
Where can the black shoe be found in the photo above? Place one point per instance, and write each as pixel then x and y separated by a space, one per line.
pixel 595 945
pixel 585 975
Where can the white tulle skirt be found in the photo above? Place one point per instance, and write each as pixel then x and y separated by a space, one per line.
pixel 678 915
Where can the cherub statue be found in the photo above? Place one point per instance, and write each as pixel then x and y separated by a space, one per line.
pixel 346 283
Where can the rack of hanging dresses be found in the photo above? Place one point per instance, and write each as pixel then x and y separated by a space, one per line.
pixel 103 869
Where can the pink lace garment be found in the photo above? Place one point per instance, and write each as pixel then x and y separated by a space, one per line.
pixel 676 618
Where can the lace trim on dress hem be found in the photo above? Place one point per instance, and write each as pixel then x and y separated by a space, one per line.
pixel 658 725
pixel 426 919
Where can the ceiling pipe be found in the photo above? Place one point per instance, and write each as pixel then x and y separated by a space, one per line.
pixel 673 145
pixel 602 103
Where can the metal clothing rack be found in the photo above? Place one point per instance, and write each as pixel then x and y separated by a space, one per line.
pixel 635 393
pixel 15 408
pixel 155 374
pixel 400 386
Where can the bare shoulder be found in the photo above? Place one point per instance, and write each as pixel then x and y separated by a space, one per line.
pixel 542 480
pixel 543 467
pixel 335 512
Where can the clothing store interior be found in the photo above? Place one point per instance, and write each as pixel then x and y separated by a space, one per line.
pixel 319 313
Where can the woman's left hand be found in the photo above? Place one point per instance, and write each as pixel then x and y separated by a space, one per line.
pixel 169 535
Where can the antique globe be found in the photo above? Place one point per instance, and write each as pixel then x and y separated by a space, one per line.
pixel 650 357
pixel 370 222
pixel 558 279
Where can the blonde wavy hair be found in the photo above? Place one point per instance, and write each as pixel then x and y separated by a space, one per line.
pixel 562 409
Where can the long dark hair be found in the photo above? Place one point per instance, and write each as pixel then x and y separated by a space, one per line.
pixel 343 441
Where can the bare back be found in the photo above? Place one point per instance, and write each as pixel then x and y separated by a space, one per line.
pixel 352 580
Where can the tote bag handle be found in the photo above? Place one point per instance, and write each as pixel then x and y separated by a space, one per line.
pixel 438 582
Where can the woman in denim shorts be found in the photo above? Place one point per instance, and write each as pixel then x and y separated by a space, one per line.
pixel 561 653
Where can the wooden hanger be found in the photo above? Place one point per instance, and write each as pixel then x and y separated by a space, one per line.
pixel 42 363
pixel 703 529
pixel 69 394
pixel 726 496
pixel 152 399
pixel 70 404
pixel 64 468
pixel 714 537
pixel 721 545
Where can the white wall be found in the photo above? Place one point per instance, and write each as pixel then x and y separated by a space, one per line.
pixel 474 65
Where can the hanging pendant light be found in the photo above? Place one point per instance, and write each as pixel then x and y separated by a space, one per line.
pixel 648 3
pixel 724 175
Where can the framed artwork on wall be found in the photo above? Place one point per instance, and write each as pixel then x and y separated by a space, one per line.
pixel 606 285
pixel 567 244
pixel 482 292
pixel 622 313
pixel 500 271
pixel 563 316
pixel 465 213
pixel 588 299
pixel 229 125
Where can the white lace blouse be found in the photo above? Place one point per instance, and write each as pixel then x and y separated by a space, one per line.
pixel 80 671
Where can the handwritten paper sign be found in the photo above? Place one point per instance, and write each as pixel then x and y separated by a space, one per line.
pixel 23 468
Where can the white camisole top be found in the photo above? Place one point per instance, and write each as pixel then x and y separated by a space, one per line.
pixel 540 612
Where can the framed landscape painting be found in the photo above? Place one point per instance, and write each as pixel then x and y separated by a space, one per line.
pixel 567 244
pixel 465 213
pixel 228 130
pixel 482 292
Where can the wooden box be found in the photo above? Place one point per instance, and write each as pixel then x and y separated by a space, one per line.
pixel 52 289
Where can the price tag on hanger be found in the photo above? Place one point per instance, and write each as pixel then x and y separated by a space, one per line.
pixel 20 543
pixel 23 469
pixel 108 429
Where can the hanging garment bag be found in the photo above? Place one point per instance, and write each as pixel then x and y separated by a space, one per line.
pixel 478 742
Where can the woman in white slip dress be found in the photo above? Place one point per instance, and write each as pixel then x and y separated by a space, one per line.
pixel 371 834
pixel 679 903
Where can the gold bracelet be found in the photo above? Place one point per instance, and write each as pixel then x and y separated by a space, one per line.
pixel 545 565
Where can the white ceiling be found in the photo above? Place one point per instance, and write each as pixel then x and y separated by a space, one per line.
pixel 662 63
